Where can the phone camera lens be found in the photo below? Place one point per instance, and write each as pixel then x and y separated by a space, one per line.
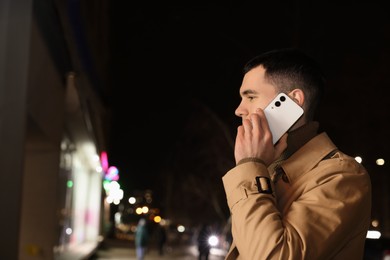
pixel 277 103
pixel 282 98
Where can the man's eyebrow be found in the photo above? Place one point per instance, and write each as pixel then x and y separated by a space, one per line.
pixel 248 92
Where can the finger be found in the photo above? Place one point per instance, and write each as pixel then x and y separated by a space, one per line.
pixel 263 123
pixel 256 123
pixel 247 125
pixel 240 130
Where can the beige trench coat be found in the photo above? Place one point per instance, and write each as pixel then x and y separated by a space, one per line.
pixel 322 212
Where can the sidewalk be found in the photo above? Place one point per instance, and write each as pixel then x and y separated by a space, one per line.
pixel 123 250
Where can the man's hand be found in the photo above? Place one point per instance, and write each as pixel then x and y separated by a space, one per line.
pixel 254 140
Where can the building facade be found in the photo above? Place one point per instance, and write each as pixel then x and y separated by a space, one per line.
pixel 54 120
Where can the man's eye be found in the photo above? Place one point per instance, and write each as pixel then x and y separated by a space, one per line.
pixel 251 98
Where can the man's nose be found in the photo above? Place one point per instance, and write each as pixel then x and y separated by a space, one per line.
pixel 239 112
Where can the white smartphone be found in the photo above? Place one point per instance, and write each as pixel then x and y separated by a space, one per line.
pixel 282 112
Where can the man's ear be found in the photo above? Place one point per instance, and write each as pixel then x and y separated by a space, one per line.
pixel 298 96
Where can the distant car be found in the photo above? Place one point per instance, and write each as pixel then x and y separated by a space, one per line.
pixel 220 243
pixel 377 249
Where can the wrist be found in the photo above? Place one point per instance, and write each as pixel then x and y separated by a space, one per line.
pixel 250 159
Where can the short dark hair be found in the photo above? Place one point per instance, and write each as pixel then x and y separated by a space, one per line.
pixel 288 69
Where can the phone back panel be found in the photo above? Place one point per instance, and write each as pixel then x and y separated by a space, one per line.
pixel 281 118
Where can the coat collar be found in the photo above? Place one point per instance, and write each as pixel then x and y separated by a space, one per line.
pixel 305 149
pixel 295 140
pixel 307 156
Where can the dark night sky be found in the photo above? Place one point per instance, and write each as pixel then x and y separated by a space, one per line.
pixel 166 58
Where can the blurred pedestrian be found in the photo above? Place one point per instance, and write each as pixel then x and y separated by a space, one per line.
pixel 141 239
pixel 203 242
pixel 161 239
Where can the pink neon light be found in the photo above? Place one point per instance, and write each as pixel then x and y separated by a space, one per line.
pixel 104 160
pixel 112 173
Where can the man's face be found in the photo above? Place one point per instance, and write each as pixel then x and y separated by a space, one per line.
pixel 255 92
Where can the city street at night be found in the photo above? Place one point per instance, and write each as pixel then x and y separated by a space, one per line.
pixel 127 123
pixel 115 249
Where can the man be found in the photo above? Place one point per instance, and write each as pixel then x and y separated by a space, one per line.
pixel 301 198
pixel 203 243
